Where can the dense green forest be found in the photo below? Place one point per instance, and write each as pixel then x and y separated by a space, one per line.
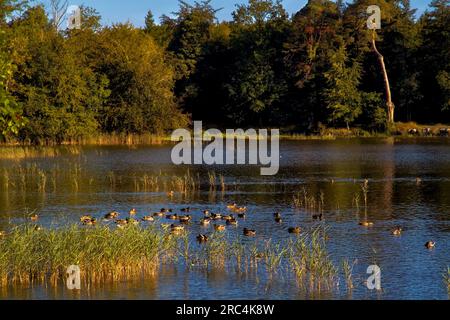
pixel 263 68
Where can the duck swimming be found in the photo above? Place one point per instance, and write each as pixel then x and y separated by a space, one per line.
pixel 90 222
pixel 132 221
pixel 34 217
pixel 366 224
pixel 219 227
pixel 85 218
pixel 227 217
pixel 430 244
pixel 249 232
pixel 111 216
pixel 148 218
pixel 216 216
pixel 172 217
pixel 295 230
pixel 158 214
pixel 232 222
pixel 185 219
pixel 318 216
pixel 231 206
pixel 397 231
pixel 121 222
pixel 205 221
pixel 176 228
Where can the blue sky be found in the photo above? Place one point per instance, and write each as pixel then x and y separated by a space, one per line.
pixel 113 11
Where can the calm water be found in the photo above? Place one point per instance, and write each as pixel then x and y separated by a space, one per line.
pixel 99 179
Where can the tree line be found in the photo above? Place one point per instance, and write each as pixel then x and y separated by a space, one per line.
pixel 318 67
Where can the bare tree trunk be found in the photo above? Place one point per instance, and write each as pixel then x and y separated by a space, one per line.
pixel 58 8
pixel 389 103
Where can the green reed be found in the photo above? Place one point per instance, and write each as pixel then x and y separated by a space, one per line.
pixel 29 255
pixel 347 268
pixel 103 253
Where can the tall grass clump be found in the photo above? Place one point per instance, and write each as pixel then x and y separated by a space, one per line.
pixel 310 262
pixel 29 255
pixel 347 268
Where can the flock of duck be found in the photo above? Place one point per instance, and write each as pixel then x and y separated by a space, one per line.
pixel 208 217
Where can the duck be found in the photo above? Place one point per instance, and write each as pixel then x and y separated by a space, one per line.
pixel 295 230
pixel 249 232
pixel 188 209
pixel 430 244
pixel 170 194
pixel 175 228
pixel 216 216
pixel 366 224
pixel 241 215
pixel 219 227
pixel 121 222
pixel 231 206
pixel 34 217
pixel 91 222
pixel 202 238
pixel 277 215
pixel 240 210
pixel 132 221
pixel 227 217
pixel 318 216
pixel 148 218
pixel 278 220
pixel 37 228
pixel 172 217
pixel 85 218
pixel 158 214
pixel 232 222
pixel 206 213
pixel 397 231
pixel 133 212
pixel 111 216
pixel 185 219
pixel 164 210
pixel 205 221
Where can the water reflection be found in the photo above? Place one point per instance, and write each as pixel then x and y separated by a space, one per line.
pixel 96 180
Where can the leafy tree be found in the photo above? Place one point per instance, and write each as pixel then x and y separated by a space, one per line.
pixel 140 83
pixel 434 55
pixel 256 84
pixel 11 119
pixel 342 96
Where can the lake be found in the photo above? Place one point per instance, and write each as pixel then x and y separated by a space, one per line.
pixel 408 186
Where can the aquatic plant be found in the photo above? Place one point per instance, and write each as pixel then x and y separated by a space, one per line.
pixel 347 268
pixel 30 254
